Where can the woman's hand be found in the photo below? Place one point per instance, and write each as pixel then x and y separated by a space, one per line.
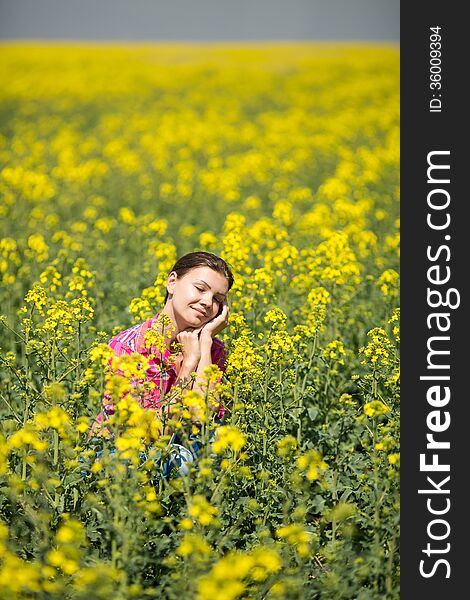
pixel 189 340
pixel 215 325
pixel 193 340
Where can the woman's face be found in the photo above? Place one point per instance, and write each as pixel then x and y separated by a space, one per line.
pixel 198 295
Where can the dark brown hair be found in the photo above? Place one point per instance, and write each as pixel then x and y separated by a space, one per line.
pixel 192 260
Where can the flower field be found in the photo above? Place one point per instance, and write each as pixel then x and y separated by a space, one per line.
pixel 284 160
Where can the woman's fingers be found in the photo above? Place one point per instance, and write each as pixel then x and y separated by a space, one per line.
pixel 212 327
pixel 188 333
pixel 224 313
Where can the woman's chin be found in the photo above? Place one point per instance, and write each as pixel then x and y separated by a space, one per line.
pixel 195 319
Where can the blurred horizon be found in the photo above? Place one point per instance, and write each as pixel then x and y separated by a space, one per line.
pixel 181 21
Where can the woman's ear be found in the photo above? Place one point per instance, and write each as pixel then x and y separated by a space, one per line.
pixel 170 282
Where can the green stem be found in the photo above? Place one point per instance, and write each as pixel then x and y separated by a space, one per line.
pixel 281 401
pixel 17 418
pixel 389 573
pixel 23 468
pixel 215 493
pixel 266 420
pixel 56 448
pixel 310 361
pixel 335 498
pixel 55 461
pixel 234 419
pixel 325 394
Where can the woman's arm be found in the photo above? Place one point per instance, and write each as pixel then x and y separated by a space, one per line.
pixel 191 351
pixel 206 335
pixel 200 385
pixel 189 341
pixel 196 347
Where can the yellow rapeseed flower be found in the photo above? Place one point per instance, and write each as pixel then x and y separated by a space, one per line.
pixel 228 436
pixel 375 408
pixel 200 510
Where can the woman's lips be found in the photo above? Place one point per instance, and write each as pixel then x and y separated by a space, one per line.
pixel 203 314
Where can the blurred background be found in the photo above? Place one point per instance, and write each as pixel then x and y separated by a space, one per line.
pixel 203 20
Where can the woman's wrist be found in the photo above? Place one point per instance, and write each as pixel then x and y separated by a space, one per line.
pixel 189 366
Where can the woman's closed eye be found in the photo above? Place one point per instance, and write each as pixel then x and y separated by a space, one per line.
pixel 218 300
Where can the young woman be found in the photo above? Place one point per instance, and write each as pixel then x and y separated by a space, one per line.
pixel 196 310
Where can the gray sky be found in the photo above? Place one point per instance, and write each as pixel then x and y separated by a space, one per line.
pixel 377 20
